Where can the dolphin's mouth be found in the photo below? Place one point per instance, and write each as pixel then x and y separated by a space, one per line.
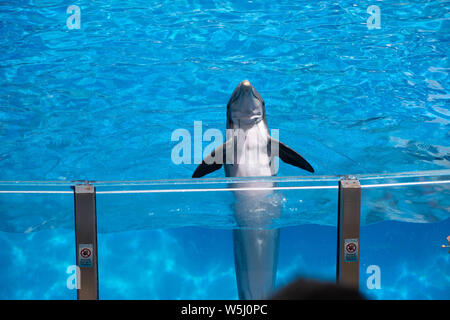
pixel 245 118
pixel 256 117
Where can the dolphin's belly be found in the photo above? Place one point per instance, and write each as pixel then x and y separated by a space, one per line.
pixel 251 158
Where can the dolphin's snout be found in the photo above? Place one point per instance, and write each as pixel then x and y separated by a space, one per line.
pixel 246 85
pixel 245 106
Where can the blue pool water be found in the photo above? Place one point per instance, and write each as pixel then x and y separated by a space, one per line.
pixel 101 103
pixel 194 263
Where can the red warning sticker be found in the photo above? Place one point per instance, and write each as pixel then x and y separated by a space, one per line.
pixel 85 253
pixel 350 247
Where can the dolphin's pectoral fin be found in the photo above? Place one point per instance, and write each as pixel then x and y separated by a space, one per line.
pixel 204 169
pixel 211 163
pixel 289 156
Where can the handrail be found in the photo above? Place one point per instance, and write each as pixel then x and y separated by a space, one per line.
pixel 377 185
pixel 205 181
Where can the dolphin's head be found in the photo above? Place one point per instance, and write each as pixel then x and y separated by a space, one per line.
pixel 246 106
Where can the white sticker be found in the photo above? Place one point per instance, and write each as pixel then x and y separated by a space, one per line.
pixel 85 254
pixel 350 250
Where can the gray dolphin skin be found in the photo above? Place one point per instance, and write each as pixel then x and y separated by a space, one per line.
pixel 249 152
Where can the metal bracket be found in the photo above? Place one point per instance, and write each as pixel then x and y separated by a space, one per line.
pixel 349 212
pixel 86 241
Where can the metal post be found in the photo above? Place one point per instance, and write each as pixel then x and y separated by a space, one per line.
pixel 86 241
pixel 349 210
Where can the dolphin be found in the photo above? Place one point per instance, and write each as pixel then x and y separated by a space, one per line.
pixel 250 151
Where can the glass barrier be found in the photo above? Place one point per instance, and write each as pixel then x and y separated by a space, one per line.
pixel 38 245
pixel 405 221
pixel 188 251
pixel 172 239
